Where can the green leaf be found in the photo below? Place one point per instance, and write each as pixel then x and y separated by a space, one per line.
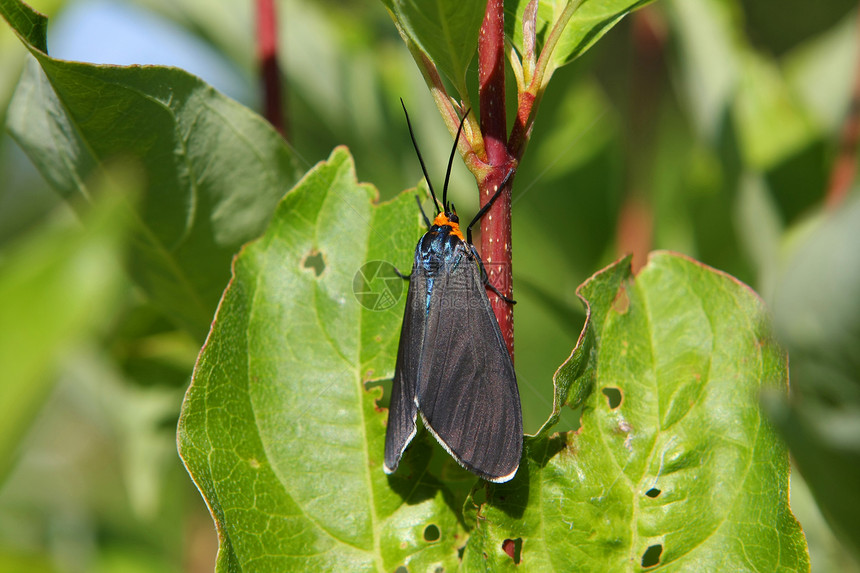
pixel 674 463
pixel 590 21
pixel 214 170
pixel 55 289
pixel 278 429
pixel 445 30
pixel 12 60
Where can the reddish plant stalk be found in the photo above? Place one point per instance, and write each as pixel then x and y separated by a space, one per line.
pixel 496 224
pixel 845 166
pixel 635 225
pixel 267 52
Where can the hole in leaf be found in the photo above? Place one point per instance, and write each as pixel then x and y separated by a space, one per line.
pixel 314 260
pixel 651 557
pixel 613 396
pixel 653 492
pixel 401 569
pixel 431 533
pixel 514 548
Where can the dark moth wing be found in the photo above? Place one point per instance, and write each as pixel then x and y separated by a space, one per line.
pixel 466 388
pixel 402 410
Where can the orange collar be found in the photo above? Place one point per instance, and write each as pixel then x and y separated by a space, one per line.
pixel 443 220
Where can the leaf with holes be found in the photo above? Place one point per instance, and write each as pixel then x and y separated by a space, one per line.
pixel 278 429
pixel 675 463
pixel 213 170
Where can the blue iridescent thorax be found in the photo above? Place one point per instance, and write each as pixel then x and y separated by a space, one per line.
pixel 441 249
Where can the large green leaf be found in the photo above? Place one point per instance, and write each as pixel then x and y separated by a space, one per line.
pixel 445 30
pixel 285 441
pixel 213 169
pixel 12 59
pixel 278 429
pixel 674 463
pixel 589 22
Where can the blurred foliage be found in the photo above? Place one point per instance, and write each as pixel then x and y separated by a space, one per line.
pixel 721 117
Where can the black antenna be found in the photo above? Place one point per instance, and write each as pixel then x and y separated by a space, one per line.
pixel 420 159
pixel 451 160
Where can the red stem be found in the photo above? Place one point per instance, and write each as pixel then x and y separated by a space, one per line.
pixel 496 224
pixel 635 226
pixel 267 52
pixel 845 166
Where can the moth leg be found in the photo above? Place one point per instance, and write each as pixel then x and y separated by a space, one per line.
pixel 485 278
pixel 401 275
pixel 501 296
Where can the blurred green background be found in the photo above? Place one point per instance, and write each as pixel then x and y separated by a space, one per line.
pixel 708 127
